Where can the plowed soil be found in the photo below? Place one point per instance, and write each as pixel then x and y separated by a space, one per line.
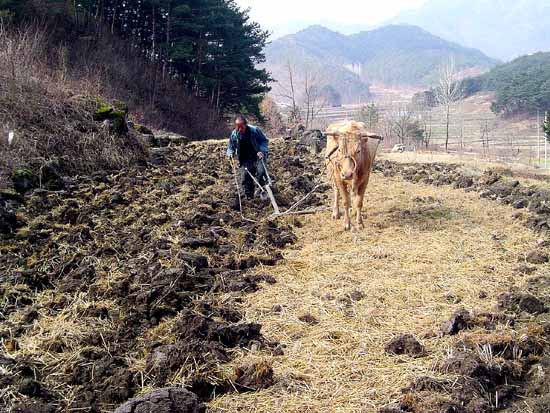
pixel 151 278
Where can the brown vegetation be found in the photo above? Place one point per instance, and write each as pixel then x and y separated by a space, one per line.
pixel 52 128
pixel 49 96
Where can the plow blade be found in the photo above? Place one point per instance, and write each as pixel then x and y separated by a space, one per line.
pixel 272 199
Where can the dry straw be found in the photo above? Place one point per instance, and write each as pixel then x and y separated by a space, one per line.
pixel 425 253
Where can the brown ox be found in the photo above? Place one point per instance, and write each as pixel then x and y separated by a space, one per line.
pixel 349 163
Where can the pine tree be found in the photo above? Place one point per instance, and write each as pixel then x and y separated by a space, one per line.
pixel 8 10
pixel 370 115
pixel 244 84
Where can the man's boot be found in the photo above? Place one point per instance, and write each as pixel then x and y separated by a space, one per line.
pixel 234 203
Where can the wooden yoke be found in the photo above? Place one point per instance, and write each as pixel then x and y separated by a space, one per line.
pixel 363 135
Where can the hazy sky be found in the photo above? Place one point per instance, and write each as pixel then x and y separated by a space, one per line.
pixel 275 15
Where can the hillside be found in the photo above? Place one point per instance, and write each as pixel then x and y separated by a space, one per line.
pixel 409 55
pixel 505 29
pixel 521 86
pixel 286 28
pixel 184 53
pixel 395 55
pixel 73 82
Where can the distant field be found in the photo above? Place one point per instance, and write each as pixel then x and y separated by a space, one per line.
pixel 473 129
pixel 474 163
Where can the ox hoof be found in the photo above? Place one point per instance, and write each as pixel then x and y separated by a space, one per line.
pixel 336 216
pixel 347 227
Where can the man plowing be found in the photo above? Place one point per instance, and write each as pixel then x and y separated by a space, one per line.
pixel 249 146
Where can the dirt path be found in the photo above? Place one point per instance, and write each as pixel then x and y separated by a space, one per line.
pixel 426 253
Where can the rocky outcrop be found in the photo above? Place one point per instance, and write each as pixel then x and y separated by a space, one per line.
pixel 167 400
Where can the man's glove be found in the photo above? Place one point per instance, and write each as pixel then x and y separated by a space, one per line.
pixel 260 155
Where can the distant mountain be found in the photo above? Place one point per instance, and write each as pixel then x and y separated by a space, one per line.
pixel 521 86
pixel 294 26
pixel 410 55
pixel 502 28
pixel 392 55
pixel 314 52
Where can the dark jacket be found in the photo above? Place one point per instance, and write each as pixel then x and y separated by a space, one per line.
pixel 257 137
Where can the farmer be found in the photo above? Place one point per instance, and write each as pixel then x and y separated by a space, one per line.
pixel 248 145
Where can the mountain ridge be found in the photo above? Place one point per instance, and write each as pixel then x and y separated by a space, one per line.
pixel 394 54
pixel 505 29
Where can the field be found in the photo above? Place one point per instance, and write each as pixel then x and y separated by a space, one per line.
pixel 151 278
pixel 473 128
pixel 342 297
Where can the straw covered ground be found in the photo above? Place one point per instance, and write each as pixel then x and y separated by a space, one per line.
pixel 342 297
pixel 119 285
pixel 122 283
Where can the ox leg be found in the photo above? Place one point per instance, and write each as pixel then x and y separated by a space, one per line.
pixel 336 204
pixel 358 203
pixel 347 203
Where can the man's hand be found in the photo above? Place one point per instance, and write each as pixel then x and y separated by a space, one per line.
pixel 260 155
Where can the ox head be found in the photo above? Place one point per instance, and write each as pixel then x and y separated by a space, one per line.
pixel 346 156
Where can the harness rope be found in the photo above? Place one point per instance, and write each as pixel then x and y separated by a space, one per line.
pixel 337 166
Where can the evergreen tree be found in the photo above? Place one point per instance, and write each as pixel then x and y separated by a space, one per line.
pixel 331 96
pixel 8 10
pixel 520 86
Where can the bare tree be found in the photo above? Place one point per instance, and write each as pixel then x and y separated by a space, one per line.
pixel 387 130
pixel 447 92
pixel 273 118
pixel 485 131
pixel 427 123
pixel 314 102
pixel 303 91
pixel 398 121
pixel 295 115
pixel 425 119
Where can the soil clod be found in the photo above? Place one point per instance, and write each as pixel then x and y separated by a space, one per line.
pixel 309 319
pixel 166 400
pixel 406 344
pixel 255 376
pixel 518 301
pixel 537 258
pixel 459 321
